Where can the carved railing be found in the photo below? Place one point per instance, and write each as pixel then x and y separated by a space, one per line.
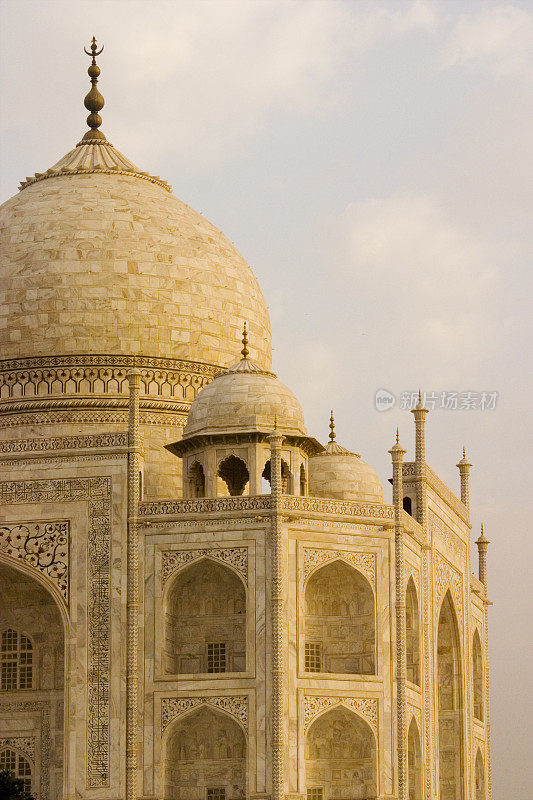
pixel 299 505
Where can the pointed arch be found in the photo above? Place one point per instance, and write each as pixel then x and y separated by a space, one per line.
pixel 205 757
pixel 196 480
pixel 340 753
pixel 33 649
pixel 19 765
pixel 480 777
pixel 234 473
pixel 450 704
pixel 414 761
pixel 205 620
pixel 412 630
pixel 286 476
pixel 340 628
pixel 477 675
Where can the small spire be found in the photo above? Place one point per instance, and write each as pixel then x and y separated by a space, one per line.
pixel 245 352
pixel 332 433
pixel 464 452
pixel 397 436
pixel 93 102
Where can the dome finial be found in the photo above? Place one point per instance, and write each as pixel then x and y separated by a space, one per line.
pixel 245 352
pixel 332 433
pixel 93 102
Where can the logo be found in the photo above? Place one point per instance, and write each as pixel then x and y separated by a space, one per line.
pixel 384 400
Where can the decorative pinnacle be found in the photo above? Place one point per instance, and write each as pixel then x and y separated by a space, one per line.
pixel 245 352
pixel 482 539
pixel 397 436
pixel 332 433
pixel 93 102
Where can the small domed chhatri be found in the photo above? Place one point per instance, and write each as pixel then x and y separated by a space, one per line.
pixel 245 398
pixel 340 474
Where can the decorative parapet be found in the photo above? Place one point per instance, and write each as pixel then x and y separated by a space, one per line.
pixel 366 707
pixel 302 505
pixel 96 440
pixel 364 562
pixel 410 524
pixel 173 560
pixel 213 505
pixel 173 707
pixel 101 375
pixel 42 545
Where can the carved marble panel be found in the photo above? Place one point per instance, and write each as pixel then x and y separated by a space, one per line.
pixel 236 557
pixel 42 545
pixel 367 707
pixel 173 707
pixel 364 562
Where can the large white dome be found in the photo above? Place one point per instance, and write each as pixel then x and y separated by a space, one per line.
pixel 99 257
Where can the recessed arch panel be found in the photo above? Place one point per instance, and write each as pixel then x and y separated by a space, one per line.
pixel 450 704
pixel 339 621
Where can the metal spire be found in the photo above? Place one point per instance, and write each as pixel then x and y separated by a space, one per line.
pixel 332 433
pixel 245 352
pixel 93 102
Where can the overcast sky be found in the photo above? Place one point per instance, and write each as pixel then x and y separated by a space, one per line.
pixel 373 163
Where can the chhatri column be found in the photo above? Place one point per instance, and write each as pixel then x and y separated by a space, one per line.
pixel 464 466
pixel 132 590
pixel 278 596
pixel 397 453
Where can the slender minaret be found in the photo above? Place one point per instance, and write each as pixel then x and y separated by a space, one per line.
pixel 278 581
pixel 482 545
pixel 464 469
pixel 397 453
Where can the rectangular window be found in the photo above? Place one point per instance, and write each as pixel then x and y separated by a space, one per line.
pixel 216 793
pixel 313 658
pixel 316 793
pixel 216 657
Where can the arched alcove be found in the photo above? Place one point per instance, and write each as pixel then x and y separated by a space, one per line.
pixel 205 620
pixel 286 476
pixel 339 621
pixel 480 777
pixel 451 758
pixel 32 654
pixel 340 757
pixel 205 758
pixel 412 631
pixel 234 473
pixel 477 676
pixel 407 505
pixel 196 480
pixel 20 767
pixel 414 762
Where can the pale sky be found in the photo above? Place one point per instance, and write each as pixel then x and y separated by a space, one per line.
pixel 372 161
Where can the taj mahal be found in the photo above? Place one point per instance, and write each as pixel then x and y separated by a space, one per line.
pixel 198 599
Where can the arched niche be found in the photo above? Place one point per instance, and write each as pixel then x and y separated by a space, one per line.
pixel 340 757
pixel 20 766
pixel 30 612
pixel 205 758
pixel 477 676
pixel 340 634
pixel 196 479
pixel 303 481
pixel 480 777
pixel 414 762
pixel 205 620
pixel 412 631
pixel 287 482
pixel 450 704
pixel 233 475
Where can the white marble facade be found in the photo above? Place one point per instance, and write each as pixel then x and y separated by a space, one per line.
pixel 224 609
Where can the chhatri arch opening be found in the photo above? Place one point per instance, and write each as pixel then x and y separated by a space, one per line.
pixel 205 620
pixel 340 626
pixel 340 757
pixel 205 757
pixel 450 704
pixel 32 676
